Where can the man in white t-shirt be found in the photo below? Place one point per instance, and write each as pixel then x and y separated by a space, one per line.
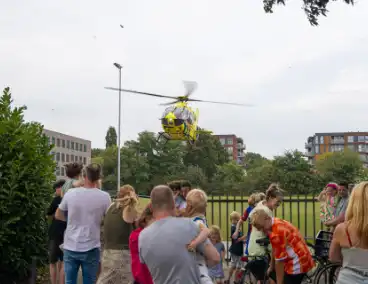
pixel 86 208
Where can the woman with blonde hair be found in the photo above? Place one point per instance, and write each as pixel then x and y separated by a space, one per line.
pixel 350 240
pixel 118 225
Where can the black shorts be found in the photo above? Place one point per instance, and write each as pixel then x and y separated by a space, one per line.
pixel 289 278
pixel 55 253
pixel 258 268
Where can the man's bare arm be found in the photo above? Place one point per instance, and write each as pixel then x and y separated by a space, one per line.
pixel 59 215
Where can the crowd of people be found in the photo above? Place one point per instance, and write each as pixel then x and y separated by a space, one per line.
pixel 170 242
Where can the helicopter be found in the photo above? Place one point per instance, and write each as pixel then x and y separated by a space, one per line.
pixel 179 121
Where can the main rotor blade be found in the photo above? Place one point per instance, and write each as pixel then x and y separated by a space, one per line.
pixel 223 103
pixel 139 93
pixel 190 87
pixel 171 103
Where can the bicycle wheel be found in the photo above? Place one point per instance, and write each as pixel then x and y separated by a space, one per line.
pixel 328 274
pixel 247 277
pixel 319 264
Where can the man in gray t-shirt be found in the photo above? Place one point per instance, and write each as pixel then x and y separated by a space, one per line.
pixel 163 244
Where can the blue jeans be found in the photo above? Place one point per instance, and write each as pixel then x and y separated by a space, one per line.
pixel 89 261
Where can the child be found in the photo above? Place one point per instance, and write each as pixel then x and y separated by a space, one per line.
pixel 252 201
pixel 236 248
pixel 217 272
pixel 140 271
pixel 196 209
pixel 328 199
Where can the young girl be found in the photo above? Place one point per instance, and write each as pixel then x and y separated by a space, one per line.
pixel 196 209
pixel 140 271
pixel 328 199
pixel 217 272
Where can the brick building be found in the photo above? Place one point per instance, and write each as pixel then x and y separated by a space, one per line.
pixel 234 146
pixel 321 143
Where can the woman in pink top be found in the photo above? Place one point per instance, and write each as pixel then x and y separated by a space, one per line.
pixel 140 271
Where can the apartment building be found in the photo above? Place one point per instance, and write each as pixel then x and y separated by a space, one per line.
pixel 234 145
pixel 321 143
pixel 68 149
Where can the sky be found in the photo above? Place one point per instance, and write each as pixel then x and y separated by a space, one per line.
pixel 57 57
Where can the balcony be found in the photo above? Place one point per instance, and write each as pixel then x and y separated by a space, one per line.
pixel 241 155
pixel 240 146
pixel 337 141
pixel 309 154
pixel 309 145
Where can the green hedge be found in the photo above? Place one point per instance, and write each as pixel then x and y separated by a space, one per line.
pixel 26 174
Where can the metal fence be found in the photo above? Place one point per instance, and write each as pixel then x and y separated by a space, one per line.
pixel 303 211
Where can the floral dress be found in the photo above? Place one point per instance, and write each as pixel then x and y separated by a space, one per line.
pixel 328 208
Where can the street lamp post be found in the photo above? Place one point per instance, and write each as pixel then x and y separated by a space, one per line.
pixel 117 65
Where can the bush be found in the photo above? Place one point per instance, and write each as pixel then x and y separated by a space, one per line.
pixel 26 173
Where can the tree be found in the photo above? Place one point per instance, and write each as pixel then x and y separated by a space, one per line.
pixel 96 152
pixel 207 153
pixel 227 177
pixel 340 166
pixel 111 137
pixel 253 160
pixel 26 174
pixel 294 173
pixel 312 8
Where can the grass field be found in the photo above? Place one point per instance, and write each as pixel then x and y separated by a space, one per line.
pixel 302 211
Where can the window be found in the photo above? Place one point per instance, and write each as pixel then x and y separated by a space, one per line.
pixel 62 157
pixel 57 171
pixel 80 159
pixel 230 150
pixel 361 138
pixel 72 145
pixel 322 139
pixel 85 147
pixel 68 144
pixel 316 148
pixel 58 142
pixel 62 171
pixel 53 140
pixel 362 148
pixel 350 139
pixel 222 141
pixel 76 146
pixel 53 156
pixel 72 158
pixel 316 140
pixel 81 147
pixel 366 138
pixel 229 141
pixel 67 158
pixel 58 157
pixel 84 161
pixel 63 143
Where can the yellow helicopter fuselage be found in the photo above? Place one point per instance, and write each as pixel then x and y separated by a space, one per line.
pixel 180 122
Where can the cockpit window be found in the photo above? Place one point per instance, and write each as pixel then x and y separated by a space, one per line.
pixel 180 113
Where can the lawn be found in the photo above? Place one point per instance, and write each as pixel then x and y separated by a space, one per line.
pixel 302 211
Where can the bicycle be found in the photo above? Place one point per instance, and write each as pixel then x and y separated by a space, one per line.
pixel 320 256
pixel 246 275
pixel 328 274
